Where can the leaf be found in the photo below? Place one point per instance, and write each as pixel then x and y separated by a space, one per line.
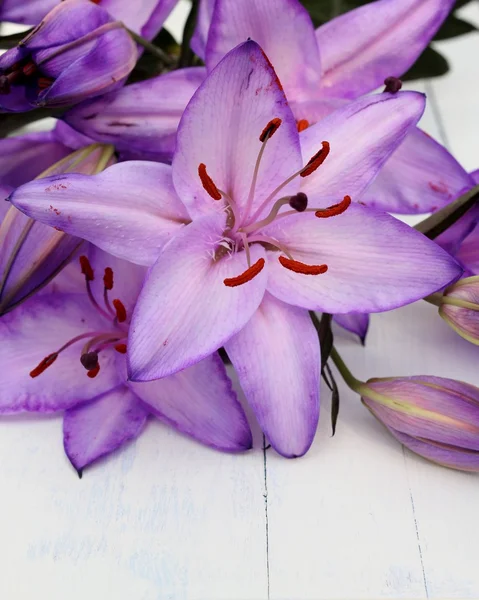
pixel 325 334
pixel 331 383
pixel 429 64
pixel 441 220
pixel 452 27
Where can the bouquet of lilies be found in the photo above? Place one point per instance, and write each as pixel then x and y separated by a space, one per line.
pixel 214 206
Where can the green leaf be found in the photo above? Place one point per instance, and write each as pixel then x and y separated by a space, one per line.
pixel 331 383
pixel 452 27
pixel 429 64
pixel 323 328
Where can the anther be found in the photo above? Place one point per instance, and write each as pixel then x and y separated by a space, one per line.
pixel 86 268
pixel 302 124
pixel 393 85
pixel 29 69
pixel 44 364
pixel 89 360
pixel 316 160
pixel 92 373
pixel 120 310
pixel 299 202
pixel 108 279
pixel 121 348
pixel 270 129
pixel 302 268
pixel 335 209
pixel 208 183
pixel 248 275
pixel 44 82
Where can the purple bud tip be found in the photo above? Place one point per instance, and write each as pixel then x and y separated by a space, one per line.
pixel 299 202
pixel 393 85
pixel 89 360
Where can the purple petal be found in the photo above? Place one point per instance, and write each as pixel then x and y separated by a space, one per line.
pixel 143 16
pixel 452 240
pixel 200 36
pixel 420 176
pixel 362 136
pixel 475 176
pixel 140 119
pixel 357 323
pixel 375 262
pixel 463 320
pixel 28 13
pixel 187 305
pixel 364 46
pixel 100 208
pixel 201 403
pixel 276 356
pixel 98 428
pixel 283 29
pixel 230 110
pixel 36 329
pixel 70 137
pixel 468 253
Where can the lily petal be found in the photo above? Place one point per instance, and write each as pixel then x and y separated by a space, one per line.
pixel 230 110
pixel 362 136
pixel 276 356
pixel 357 323
pixel 143 16
pixel 284 30
pixel 201 403
pixel 468 253
pixel 375 262
pixel 360 48
pixel 130 209
pixel 16 12
pixel 36 329
pixel 420 176
pixel 200 36
pixel 96 429
pixel 186 304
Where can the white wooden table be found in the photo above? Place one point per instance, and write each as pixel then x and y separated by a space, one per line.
pixel 358 517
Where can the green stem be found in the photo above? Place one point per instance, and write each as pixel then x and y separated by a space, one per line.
pixel 152 49
pixel 346 374
pixel 438 300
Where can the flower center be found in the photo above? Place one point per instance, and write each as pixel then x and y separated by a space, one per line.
pixel 95 341
pixel 21 73
pixel 243 227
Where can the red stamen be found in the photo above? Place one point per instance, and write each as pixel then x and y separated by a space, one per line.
pixel 120 310
pixel 92 373
pixel 208 183
pixel 121 348
pixel 44 82
pixel 108 279
pixel 86 268
pixel 335 209
pixel 316 160
pixel 29 69
pixel 302 268
pixel 44 364
pixel 270 129
pixel 248 275
pixel 302 124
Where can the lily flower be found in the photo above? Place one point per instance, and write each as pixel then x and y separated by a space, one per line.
pixel 265 230
pixel 64 350
pixel 76 52
pixel 347 57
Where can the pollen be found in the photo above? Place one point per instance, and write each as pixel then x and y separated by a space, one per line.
pixel 86 268
pixel 302 124
pixel 335 209
pixel 108 279
pixel 44 364
pixel 208 183
pixel 302 268
pixel 316 160
pixel 248 275
pixel 120 310
pixel 270 129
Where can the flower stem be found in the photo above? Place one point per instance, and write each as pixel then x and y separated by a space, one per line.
pixel 438 300
pixel 152 49
pixel 351 381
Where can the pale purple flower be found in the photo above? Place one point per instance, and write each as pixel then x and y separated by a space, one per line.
pixel 64 350
pixel 434 417
pixel 264 231
pixel 459 307
pixel 76 52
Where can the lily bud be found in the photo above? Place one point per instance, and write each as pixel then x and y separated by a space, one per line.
pixel 76 52
pixel 434 417
pixel 459 307
pixel 31 253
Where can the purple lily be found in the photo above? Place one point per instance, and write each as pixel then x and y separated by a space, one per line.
pixel 146 17
pixel 250 248
pixel 77 52
pixel 64 350
pixel 320 72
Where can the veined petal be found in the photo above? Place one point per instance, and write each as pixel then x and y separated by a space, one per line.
pixel 200 402
pixel 231 109
pixel 200 36
pixel 375 262
pixel 140 119
pixel 186 304
pixel 420 176
pixel 364 46
pixel 362 136
pixel 283 29
pixel 143 16
pixel 357 323
pixel 475 176
pixel 98 428
pixel 276 356
pixel 130 209
pixel 468 253
pixel 16 12
pixel 36 329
